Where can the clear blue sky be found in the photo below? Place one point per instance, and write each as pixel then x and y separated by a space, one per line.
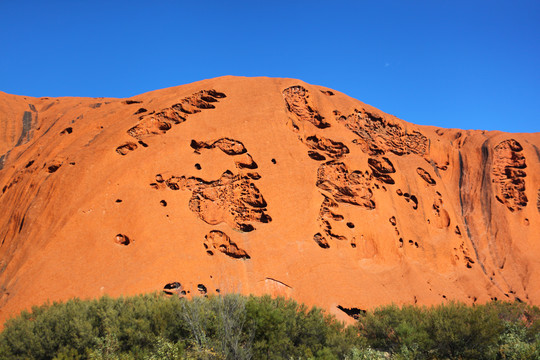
pixel 465 64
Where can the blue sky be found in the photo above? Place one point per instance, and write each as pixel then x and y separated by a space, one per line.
pixel 460 64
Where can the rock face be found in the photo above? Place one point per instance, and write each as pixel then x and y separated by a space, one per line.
pixel 259 185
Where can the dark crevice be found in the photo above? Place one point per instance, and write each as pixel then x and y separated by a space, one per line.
pixel 352 312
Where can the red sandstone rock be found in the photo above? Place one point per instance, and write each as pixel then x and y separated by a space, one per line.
pixel 336 202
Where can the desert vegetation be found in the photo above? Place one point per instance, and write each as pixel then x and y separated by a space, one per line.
pixel 155 326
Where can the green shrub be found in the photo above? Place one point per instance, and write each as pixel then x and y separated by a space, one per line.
pixel 238 327
pixel 155 326
pixel 452 331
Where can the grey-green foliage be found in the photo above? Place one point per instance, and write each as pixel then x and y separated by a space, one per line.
pixel 515 346
pixel 237 327
pixel 495 330
pixel 366 354
pixel 154 326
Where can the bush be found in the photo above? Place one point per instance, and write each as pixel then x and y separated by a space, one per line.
pixel 453 331
pixel 155 326
pixel 238 327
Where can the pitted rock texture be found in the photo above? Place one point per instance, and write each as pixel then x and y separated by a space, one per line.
pixel 378 135
pixel 279 187
pixel 300 105
pixel 217 240
pixel 228 146
pixel 442 219
pixel 159 123
pixel 381 168
pixel 509 174
pixel 426 176
pixel 344 186
pixel 326 148
pixel 232 199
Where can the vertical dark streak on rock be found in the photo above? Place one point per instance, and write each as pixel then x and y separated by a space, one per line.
pixel 22 223
pixel 475 248
pixel 485 187
pixel 27 125
pixel 3 160
pixel 537 152
pixel 461 193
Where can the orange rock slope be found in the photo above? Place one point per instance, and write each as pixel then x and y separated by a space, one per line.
pixel 260 185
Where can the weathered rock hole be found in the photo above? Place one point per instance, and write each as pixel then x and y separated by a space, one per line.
pixel 321 241
pixel 67 130
pixel 399 192
pixel 172 288
pixel 29 164
pixel 350 225
pixel 198 166
pixel 273 161
pixel 327 92
pixel 538 201
pixel 163 203
pixel 122 239
pixel 245 227
pixel 253 175
pixel 126 148
pixel 129 102
pixel 118 200
pixel 140 111
pixel 53 168
pixel 142 143
pixel 393 221
pixel 202 289
pixel 252 165
pixel 425 176
pixel 159 178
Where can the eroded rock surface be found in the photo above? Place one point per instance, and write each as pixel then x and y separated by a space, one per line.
pixel 300 105
pixel 217 240
pixel 344 186
pixel 509 174
pixel 279 187
pixel 378 135
pixel 158 123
